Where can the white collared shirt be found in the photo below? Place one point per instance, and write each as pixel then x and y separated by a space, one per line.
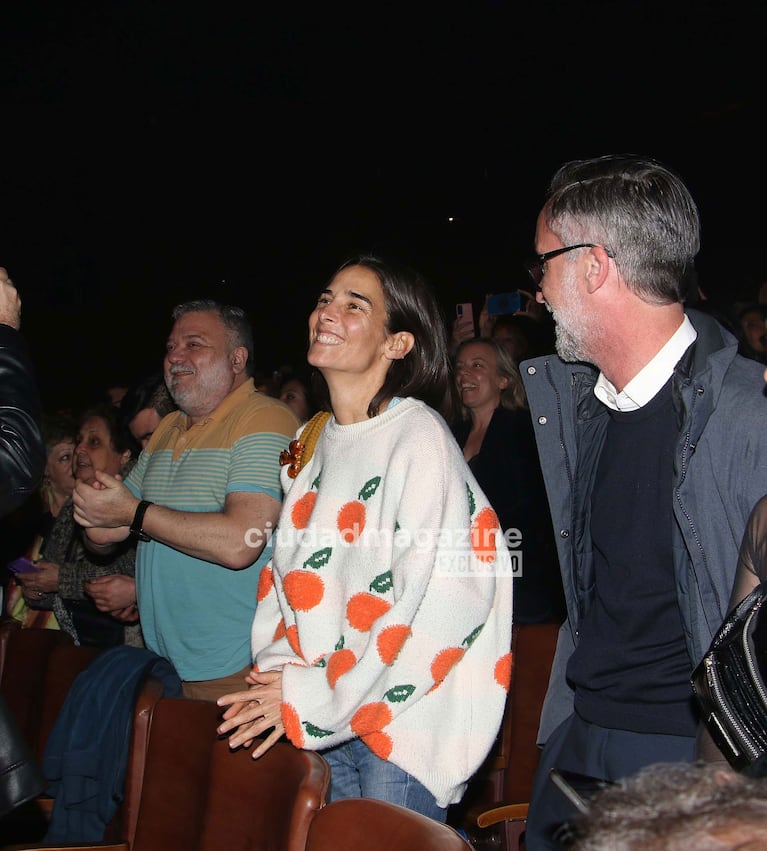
pixel 649 380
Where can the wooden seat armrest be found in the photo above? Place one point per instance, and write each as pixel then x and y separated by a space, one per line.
pixel 506 812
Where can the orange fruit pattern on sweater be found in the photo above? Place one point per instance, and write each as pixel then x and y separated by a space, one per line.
pixel 380 743
pixel 340 663
pixel 370 718
pixel 280 631
pixel 265 583
pixel 351 521
pixel 364 609
pixel 483 534
pixel 304 590
pixel 292 724
pixel 503 668
pixel 390 642
pixel 302 510
pixel 292 634
pixel 443 662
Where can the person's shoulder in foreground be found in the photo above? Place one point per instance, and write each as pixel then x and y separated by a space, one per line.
pixel 22 453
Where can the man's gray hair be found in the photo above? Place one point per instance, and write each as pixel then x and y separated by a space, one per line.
pixel 640 211
pixel 234 318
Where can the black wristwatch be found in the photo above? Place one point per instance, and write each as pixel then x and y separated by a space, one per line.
pixel 136 527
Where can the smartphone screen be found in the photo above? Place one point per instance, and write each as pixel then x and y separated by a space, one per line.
pixel 465 311
pixel 22 565
pixel 504 303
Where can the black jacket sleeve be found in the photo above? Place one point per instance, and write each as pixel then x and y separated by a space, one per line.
pixel 22 453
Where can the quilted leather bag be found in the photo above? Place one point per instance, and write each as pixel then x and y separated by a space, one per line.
pixel 730 684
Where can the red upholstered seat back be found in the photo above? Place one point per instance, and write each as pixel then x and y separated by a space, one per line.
pixel 199 795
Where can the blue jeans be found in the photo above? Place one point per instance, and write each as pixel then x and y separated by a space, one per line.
pixel 356 772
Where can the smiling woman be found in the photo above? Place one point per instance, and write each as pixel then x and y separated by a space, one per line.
pixel 496 435
pixel 382 531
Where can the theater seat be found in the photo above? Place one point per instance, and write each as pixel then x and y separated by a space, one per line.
pixel 197 795
pixel 37 667
pixel 516 759
pixel 364 823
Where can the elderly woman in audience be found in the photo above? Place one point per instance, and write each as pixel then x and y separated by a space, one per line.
pixel 93 597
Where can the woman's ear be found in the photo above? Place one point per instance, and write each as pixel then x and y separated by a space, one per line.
pixel 124 458
pixel 399 344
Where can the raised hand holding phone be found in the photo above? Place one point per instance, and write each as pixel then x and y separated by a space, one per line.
pixel 463 326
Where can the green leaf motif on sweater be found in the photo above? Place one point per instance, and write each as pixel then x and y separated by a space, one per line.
pixel 370 487
pixel 321 663
pixel 397 694
pixel 382 583
pixel 469 640
pixel 340 644
pixel 319 559
pixel 316 732
pixel 472 503
pixel 316 482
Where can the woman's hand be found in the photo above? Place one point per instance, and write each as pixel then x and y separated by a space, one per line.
pixel 486 321
pixel 532 308
pixel 463 329
pixel 44 580
pixel 112 593
pixel 254 711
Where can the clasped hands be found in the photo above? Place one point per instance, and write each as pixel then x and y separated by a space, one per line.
pixel 254 711
pixel 105 503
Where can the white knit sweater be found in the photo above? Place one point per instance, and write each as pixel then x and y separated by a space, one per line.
pixel 392 621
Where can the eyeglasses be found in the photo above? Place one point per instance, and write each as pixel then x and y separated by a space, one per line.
pixel 537 266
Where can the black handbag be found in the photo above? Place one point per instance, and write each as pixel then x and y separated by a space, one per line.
pixel 730 684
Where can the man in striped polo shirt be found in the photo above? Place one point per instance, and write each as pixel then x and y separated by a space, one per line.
pixel 202 500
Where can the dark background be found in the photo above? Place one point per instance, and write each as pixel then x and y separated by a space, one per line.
pixel 156 152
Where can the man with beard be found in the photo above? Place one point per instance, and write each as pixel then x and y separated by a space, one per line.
pixel 650 430
pixel 202 500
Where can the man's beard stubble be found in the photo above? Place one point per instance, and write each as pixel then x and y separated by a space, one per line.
pixel 572 324
pixel 194 399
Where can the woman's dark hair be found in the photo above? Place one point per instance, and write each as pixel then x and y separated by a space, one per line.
pixel 424 373
pixel 150 392
pixel 307 382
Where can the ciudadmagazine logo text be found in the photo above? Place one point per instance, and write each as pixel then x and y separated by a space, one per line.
pixel 459 552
